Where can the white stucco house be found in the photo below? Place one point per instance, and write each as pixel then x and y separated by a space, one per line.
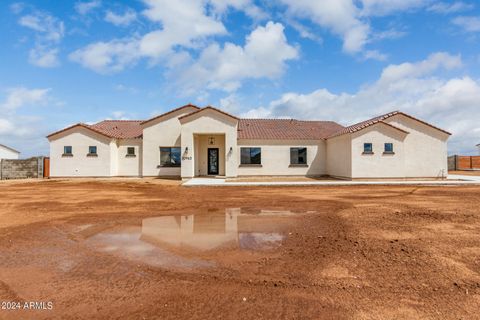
pixel 8 153
pixel 190 141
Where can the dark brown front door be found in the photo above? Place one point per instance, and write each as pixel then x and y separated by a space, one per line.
pixel 213 161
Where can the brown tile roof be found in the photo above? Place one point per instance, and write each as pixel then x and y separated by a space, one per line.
pixel 380 119
pixel 272 129
pixel 169 112
pixel 209 108
pixel 118 129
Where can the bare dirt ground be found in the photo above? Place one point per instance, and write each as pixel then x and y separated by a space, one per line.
pixel 466 173
pixel 281 179
pixel 356 252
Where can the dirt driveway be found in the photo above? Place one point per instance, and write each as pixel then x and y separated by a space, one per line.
pixel 150 249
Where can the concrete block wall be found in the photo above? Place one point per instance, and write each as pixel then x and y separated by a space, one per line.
pixel 21 169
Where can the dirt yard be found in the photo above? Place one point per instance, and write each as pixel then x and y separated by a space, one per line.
pixel 359 252
pixel 466 173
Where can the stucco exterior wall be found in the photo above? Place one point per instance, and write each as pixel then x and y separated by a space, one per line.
pixel 208 122
pixel 164 132
pixel 425 149
pixel 6 153
pixel 339 156
pixel 201 147
pixel 378 164
pixel 129 166
pixel 276 158
pixel 79 165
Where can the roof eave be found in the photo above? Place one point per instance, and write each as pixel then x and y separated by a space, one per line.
pixel 83 125
pixel 421 121
pixel 169 112
pixel 209 108
pixel 11 149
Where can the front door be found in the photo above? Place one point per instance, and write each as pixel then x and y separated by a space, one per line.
pixel 213 161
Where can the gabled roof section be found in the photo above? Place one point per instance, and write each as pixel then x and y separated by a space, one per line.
pixel 287 129
pixel 118 129
pixel 380 119
pixel 11 149
pixel 170 112
pixel 209 108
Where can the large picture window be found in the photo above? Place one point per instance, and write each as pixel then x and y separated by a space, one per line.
pixel 170 157
pixel 250 155
pixel 298 156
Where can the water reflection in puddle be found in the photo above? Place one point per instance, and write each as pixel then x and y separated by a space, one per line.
pixel 178 241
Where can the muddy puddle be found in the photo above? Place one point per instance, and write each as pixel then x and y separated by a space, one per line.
pixel 195 240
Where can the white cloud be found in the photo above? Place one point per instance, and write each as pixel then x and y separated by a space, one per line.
pixel 121 19
pixel 17 7
pixel 418 69
pixel 44 57
pixel 107 57
pixel 24 132
pixel 415 88
pixel 386 7
pixel 264 55
pixel 49 32
pixel 20 97
pixel 447 8
pixel 339 16
pixel 119 115
pixel 5 126
pixel 375 55
pixel 350 19
pixel 470 24
pixel 183 23
pixel 84 8
pixel 248 6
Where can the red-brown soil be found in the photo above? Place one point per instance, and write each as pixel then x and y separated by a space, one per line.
pixel 357 252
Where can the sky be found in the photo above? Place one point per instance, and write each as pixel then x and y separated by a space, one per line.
pixel 65 62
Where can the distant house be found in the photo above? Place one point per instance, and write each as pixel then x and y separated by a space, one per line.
pixel 189 141
pixel 8 153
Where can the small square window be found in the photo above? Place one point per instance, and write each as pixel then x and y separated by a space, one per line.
pixel 388 148
pixel 130 151
pixel 92 150
pixel 67 150
pixel 368 148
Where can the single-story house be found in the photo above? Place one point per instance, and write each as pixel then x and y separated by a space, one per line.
pixel 190 141
pixel 8 153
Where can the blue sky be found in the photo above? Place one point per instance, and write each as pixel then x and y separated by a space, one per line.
pixel 64 62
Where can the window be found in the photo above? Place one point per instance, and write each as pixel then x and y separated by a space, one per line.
pixel 367 148
pixel 170 157
pixel 67 150
pixel 388 148
pixel 250 155
pixel 298 156
pixel 131 152
pixel 92 150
